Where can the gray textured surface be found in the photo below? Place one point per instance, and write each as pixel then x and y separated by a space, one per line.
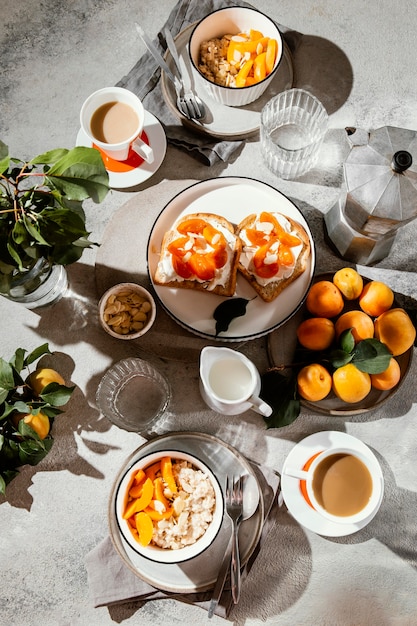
pixel 52 56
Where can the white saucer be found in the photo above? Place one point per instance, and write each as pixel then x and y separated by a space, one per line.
pixel 137 175
pixel 294 500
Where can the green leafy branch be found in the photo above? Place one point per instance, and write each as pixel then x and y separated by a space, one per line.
pixel 41 212
pixel 19 442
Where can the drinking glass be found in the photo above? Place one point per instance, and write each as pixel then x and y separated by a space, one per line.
pixel 293 125
pixel 133 395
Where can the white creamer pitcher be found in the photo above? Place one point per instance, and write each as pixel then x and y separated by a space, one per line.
pixel 230 383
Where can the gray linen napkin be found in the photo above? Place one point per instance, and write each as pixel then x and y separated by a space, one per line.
pixel 143 80
pixel 112 582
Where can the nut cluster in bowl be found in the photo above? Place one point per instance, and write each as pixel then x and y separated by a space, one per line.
pixel 169 506
pixel 235 38
pixel 127 311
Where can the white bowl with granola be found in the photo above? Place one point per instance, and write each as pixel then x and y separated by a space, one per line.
pixel 127 311
pixel 235 53
pixel 169 506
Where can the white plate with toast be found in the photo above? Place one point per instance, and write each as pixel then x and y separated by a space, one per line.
pixel 233 198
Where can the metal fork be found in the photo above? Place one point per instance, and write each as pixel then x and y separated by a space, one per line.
pixel 187 99
pixel 234 509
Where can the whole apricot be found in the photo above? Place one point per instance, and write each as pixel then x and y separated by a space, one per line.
pixel 361 324
pixel 376 297
pixel 316 333
pixel 389 378
pixel 324 299
pixel 395 329
pixel 314 382
pixel 350 384
pixel 42 377
pixel 39 423
pixel 349 281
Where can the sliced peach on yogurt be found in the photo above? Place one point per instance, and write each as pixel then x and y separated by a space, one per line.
pixel 243 73
pixel 139 477
pixel 152 470
pixel 193 225
pixel 259 67
pixel 266 261
pixel 271 54
pixel 159 492
pixel 167 475
pixel 144 527
pixel 285 255
pixel 256 237
pixel 138 504
pixel 156 515
pixel 179 247
pixel 203 266
pixel 284 237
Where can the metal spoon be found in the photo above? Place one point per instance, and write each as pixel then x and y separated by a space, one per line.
pixel 188 99
pixel 250 504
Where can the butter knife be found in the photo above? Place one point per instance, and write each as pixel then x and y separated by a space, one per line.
pixel 221 579
pixel 157 55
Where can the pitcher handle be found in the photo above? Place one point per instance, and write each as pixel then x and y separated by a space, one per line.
pixel 260 406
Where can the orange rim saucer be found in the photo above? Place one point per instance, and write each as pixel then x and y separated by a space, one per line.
pixel 132 162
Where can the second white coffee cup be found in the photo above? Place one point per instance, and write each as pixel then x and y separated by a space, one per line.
pixel 113 119
pixel 343 485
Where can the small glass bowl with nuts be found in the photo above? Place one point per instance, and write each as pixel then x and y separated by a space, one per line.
pixel 127 311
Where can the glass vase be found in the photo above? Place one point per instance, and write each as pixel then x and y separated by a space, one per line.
pixel 41 285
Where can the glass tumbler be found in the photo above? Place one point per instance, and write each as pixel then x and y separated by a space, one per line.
pixel 133 395
pixel 293 125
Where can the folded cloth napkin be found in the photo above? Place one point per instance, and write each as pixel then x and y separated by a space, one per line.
pixel 144 80
pixel 112 582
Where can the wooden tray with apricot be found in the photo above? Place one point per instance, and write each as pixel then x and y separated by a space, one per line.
pixel 350 344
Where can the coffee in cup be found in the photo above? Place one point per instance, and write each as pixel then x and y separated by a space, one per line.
pixel 113 119
pixel 343 485
pixel 114 122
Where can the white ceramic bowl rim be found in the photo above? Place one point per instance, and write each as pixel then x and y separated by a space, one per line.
pixel 163 555
pixel 246 87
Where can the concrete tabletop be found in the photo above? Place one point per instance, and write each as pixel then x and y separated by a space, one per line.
pixel 359 58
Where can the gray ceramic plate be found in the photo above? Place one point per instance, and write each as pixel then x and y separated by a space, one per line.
pixel 281 347
pixel 197 574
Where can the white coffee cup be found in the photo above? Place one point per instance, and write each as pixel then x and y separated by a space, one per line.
pixel 117 149
pixel 343 485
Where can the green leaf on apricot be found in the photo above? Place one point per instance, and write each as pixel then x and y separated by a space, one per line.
pixel 347 341
pixel 371 356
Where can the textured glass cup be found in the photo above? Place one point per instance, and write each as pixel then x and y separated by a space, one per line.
pixel 133 395
pixel 293 125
